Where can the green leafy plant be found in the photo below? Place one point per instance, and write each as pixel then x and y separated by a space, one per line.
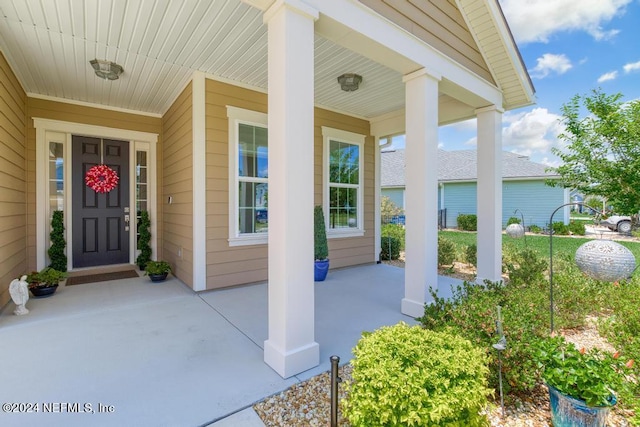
pixel 513 220
pixel 525 267
pixel 396 231
pixel 591 376
pixel 468 222
pixel 577 228
pixel 471 254
pixel 321 249
pixel 535 229
pixel 45 278
pixel 410 376
pixel 389 248
pixel 446 251
pixel 560 228
pixel 144 238
pixel 157 267
pixel 56 250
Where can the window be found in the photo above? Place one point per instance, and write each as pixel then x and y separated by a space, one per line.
pixel 343 174
pixel 248 177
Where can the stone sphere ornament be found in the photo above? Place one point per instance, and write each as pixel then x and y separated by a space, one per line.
pixel 515 230
pixel 605 260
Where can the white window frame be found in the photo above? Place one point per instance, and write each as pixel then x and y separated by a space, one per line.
pixel 331 134
pixel 237 116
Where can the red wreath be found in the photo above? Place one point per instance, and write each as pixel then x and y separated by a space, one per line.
pixel 101 178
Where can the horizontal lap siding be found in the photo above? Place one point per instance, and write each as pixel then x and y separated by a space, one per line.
pixel 438 23
pixel 534 199
pixel 177 183
pixel 13 179
pixel 53 110
pixel 229 266
pixel 459 198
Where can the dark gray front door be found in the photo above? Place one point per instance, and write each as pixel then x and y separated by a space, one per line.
pixel 100 232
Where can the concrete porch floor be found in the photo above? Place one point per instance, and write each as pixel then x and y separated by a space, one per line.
pixel 131 352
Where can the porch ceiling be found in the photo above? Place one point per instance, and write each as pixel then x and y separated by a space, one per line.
pixel 160 43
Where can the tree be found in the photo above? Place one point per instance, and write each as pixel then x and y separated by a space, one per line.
pixel 602 155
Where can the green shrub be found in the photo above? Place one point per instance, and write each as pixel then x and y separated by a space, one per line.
pixel 526 267
pixel 144 239
pixel 560 228
pixel 320 246
pixel 468 222
pixel 513 220
pixel 535 229
pixel 471 255
pixel 410 376
pixel 390 248
pixel 394 230
pixel 577 228
pixel 446 251
pixel 56 251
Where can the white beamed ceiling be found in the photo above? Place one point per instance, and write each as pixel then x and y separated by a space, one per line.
pixel 160 43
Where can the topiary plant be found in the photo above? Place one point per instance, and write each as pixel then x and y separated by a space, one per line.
pixel 321 249
pixel 144 237
pixel 56 251
pixel 446 251
pixel 410 376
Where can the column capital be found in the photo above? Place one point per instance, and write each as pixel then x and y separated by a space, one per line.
pixel 420 73
pixel 488 108
pixel 297 6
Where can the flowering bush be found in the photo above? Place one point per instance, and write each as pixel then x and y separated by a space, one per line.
pixel 591 376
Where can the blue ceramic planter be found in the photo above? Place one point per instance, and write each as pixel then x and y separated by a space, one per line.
pixel 569 412
pixel 320 270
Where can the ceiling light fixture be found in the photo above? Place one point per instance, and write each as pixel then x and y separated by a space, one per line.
pixel 349 82
pixel 106 69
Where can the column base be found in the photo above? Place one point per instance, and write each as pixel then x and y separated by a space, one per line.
pixel 412 308
pixel 288 364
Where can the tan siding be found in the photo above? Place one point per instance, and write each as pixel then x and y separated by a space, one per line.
pixel 13 179
pixel 53 110
pixel 177 182
pixel 229 266
pixel 440 24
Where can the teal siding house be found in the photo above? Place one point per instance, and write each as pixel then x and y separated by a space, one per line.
pixel 523 186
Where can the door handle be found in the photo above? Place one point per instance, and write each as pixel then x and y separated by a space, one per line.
pixel 126 223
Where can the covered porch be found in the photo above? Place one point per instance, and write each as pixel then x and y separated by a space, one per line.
pixel 162 354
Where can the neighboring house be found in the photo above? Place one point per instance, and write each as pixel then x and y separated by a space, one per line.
pixel 228 124
pixel 523 186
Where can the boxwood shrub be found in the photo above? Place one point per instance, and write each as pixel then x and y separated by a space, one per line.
pixel 389 248
pixel 468 222
pixel 410 376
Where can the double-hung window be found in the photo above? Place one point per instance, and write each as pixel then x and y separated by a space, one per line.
pixel 343 182
pixel 248 177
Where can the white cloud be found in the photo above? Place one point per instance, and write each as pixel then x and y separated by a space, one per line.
pixel 550 63
pixel 611 75
pixel 531 132
pixel 538 20
pixel 631 67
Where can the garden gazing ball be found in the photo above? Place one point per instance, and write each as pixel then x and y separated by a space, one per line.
pixel 515 230
pixel 605 260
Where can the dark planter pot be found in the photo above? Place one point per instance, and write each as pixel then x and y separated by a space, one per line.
pixel 569 412
pixel 320 270
pixel 158 277
pixel 42 291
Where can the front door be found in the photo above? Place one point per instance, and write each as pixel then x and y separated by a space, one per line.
pixel 100 226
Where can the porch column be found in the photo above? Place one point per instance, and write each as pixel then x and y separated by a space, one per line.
pixel 291 347
pixel 421 196
pixel 489 193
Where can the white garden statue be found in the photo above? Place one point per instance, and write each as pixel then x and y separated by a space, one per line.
pixel 19 291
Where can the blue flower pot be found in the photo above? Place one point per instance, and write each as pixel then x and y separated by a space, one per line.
pixel 320 270
pixel 569 412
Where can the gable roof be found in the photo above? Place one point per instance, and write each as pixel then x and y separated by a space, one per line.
pixel 460 166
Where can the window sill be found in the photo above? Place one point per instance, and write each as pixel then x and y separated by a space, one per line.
pixel 251 239
pixel 338 234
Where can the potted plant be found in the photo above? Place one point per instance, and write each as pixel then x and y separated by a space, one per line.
pixel 44 283
pixel 56 250
pixel 582 384
pixel 144 237
pixel 321 249
pixel 157 270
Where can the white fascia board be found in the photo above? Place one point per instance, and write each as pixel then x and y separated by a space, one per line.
pixel 396 48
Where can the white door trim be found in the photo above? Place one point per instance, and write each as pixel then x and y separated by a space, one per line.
pixel 61 131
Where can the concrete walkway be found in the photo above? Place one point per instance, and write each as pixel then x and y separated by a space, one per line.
pixel 135 353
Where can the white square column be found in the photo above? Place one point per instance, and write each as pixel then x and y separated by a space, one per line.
pixel 421 196
pixel 489 194
pixel 291 347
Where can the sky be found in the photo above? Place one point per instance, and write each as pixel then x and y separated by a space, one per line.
pixel 569 47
